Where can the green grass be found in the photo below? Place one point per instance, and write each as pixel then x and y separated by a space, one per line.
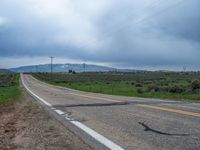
pixel 129 84
pixel 10 92
pixel 125 90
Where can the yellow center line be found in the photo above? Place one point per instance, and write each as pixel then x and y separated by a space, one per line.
pixel 146 106
pixel 143 105
pixel 170 110
pixel 99 98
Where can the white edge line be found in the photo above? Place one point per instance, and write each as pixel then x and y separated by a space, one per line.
pixel 41 99
pixel 59 112
pixel 109 144
pixel 97 136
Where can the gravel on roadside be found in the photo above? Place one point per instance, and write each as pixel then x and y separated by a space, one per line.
pixel 25 125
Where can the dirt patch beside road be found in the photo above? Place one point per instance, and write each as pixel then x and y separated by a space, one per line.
pixel 25 125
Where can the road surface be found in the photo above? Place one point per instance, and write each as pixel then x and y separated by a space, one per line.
pixel 130 123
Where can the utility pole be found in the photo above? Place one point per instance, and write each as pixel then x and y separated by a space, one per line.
pixel 184 68
pixel 36 68
pixel 51 57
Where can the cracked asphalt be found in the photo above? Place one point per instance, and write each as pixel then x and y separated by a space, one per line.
pixel 132 123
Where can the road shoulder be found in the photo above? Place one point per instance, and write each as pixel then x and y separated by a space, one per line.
pixel 25 125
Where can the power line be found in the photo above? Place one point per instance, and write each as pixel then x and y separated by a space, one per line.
pixel 150 6
pixel 136 22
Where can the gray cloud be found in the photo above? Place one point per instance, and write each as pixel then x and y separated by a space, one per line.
pixel 123 33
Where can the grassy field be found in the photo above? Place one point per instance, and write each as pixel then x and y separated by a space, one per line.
pixel 168 85
pixel 9 87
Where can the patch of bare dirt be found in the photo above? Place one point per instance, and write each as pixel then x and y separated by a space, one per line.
pixel 8 129
pixel 25 125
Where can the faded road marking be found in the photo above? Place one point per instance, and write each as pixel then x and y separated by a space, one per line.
pixel 146 106
pixel 171 110
pixel 143 105
pixel 93 97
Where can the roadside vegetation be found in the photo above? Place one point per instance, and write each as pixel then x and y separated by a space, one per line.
pixel 9 87
pixel 168 85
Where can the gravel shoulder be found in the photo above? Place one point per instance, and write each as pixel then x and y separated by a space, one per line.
pixel 25 125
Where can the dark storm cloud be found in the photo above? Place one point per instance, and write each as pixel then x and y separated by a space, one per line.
pixel 165 37
pixel 182 21
pixel 127 33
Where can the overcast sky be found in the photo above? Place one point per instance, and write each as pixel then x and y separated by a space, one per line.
pixel 150 34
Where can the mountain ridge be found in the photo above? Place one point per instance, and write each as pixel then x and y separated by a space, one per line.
pixel 66 67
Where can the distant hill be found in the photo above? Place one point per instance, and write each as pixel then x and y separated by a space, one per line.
pixel 4 71
pixel 66 68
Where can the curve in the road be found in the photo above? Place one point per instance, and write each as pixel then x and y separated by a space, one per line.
pixel 100 138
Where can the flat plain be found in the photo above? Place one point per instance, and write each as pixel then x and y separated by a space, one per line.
pixel 167 85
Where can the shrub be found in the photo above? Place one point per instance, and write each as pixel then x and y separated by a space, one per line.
pixel 176 89
pixel 153 87
pixel 152 92
pixel 138 85
pixel 188 91
pixel 195 84
pixel 196 91
pixel 133 83
pixel 166 83
pixel 140 91
pixel 148 82
pixel 164 88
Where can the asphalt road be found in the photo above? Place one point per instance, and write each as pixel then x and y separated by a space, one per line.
pixel 132 123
